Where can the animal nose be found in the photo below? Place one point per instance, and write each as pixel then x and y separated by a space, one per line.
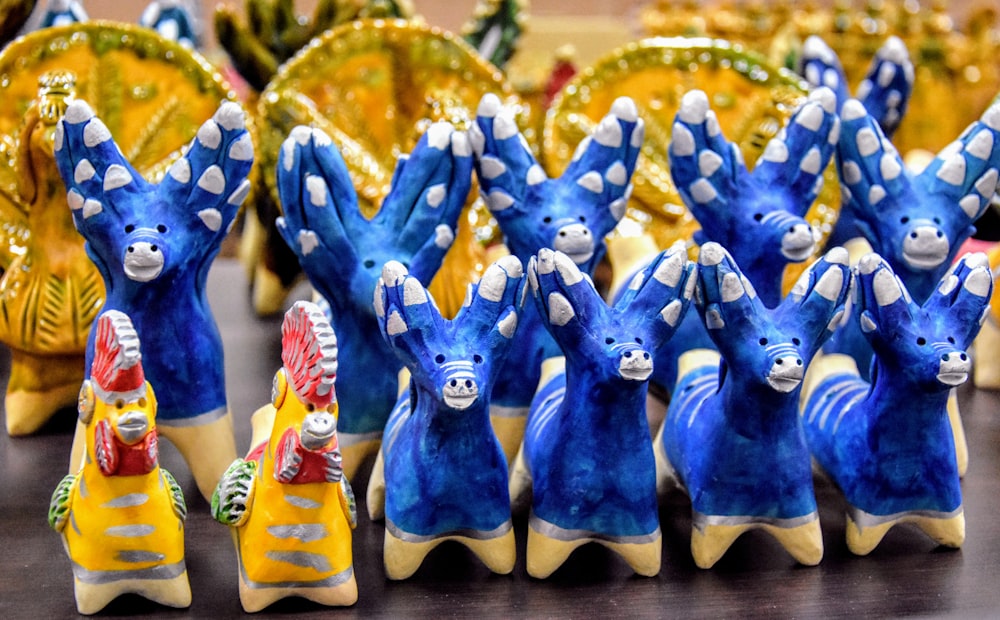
pixel 925 247
pixel 317 430
pixel 575 241
pixel 460 392
pixel 635 364
pixel 786 373
pixel 143 261
pixel 798 242
pixel 954 367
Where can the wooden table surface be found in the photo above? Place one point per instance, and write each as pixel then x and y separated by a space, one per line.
pixel 906 575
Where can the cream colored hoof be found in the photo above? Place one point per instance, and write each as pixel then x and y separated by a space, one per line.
pixel 268 292
pixel 546 554
pixel 508 425
pixel 519 485
pixel 644 558
pixel 402 557
pixel 944 530
pixel 803 542
pixel 257 598
pixel 375 497
pixel 209 449
pixel 93 597
pixel 958 432
pixel 986 366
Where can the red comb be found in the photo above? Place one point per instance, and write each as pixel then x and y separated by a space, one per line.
pixel 117 365
pixel 309 353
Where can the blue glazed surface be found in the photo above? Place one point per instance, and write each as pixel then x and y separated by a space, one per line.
pixel 445 471
pixel 171 22
pixel 732 431
pixel 342 252
pixel 587 441
pixel 888 444
pixel 572 213
pixel 154 244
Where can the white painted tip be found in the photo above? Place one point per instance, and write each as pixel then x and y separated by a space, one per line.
pixel 815 47
pixel 853 110
pixel 694 107
pixel 625 109
pixel 826 98
pixel 837 255
pixel 869 263
pixel 894 50
pixel 393 273
pixel 489 106
pixel 711 254
pixel 230 116
pixel 991 117
pixel 512 265
pixel 77 112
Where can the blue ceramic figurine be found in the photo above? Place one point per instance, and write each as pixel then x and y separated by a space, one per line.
pixel 441 474
pixel 587 460
pixel 571 214
pixel 63 13
pixel 731 438
pixel 172 20
pixel 888 444
pixel 343 252
pixel 153 245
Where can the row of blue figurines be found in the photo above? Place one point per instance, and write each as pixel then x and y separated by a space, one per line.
pixel 740 427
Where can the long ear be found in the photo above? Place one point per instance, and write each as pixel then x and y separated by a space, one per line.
pixel 885 91
pixel 820 66
pixel 407 317
pixel 566 300
pixel 726 300
pixel 795 159
pixel 882 300
pixel 661 293
pixel 491 309
pixel 92 167
pixel 504 164
pixel 965 171
pixel 816 303
pixel 963 296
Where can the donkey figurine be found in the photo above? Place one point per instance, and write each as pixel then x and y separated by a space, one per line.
pixel 731 437
pixel 342 252
pixel 572 214
pixel 586 459
pixel 441 474
pixel 154 244
pixel 888 444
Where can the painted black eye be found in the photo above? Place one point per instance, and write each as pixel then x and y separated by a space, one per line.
pixel 937 221
pixel 583 219
pixel 129 228
pixel 547 219
pixel 638 340
pixel 951 340
pixel 758 217
pixel 477 358
pixel 609 340
pixel 369 263
pixel 439 358
pixel 796 341
pixel 904 220
pixel 762 342
pixel 921 341
pixel 160 228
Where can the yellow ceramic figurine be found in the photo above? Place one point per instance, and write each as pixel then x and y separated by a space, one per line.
pixel 121 516
pixel 288 503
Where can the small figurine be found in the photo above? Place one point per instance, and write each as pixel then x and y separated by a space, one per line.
pixel 731 437
pixel 571 214
pixel 288 503
pixel 342 252
pixel 63 13
pixel 153 245
pixel 587 460
pixel 888 444
pixel 173 20
pixel 121 516
pixel 441 474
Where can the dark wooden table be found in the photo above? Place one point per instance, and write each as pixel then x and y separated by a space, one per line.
pixel 905 576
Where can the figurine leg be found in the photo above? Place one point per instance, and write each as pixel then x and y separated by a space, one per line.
pixel 403 558
pixel 208 449
pixel 545 555
pixel 92 598
pixel 803 542
pixel 711 542
pixel 986 369
pixel 375 498
pixel 644 558
pixel 39 386
pixel 666 476
pixel 508 425
pixel 335 596
pixel 949 532
pixel 79 448
pixel 519 485
pixel 355 450
pixel 958 432
pixel 498 554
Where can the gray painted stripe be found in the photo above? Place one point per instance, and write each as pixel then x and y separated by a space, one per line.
pixel 306 532
pixel 496 532
pixel 126 501
pixel 134 530
pixel 304 559
pixel 865 519
pixel 701 521
pixel 499 411
pixel 332 581
pixel 554 531
pixel 81 483
pixel 137 557
pixel 198 420
pixel 72 522
pixel 96 577
pixel 301 502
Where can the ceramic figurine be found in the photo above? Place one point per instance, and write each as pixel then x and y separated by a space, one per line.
pixel 50 293
pixel 343 252
pixel 62 13
pixel 173 20
pixel 495 28
pixel 154 244
pixel 121 516
pixel 888 444
pixel 441 473
pixel 731 438
pixel 885 90
pixel 917 222
pixel 571 213
pixel 760 215
pixel 288 503
pixel 986 365
pixel 587 460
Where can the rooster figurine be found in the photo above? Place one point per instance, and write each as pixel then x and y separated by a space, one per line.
pixel 288 503
pixel 121 516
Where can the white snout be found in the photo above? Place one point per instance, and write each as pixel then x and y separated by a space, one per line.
pixel 954 368
pixel 786 373
pixel 798 243
pixel 460 392
pixel 143 261
pixel 925 247
pixel 575 241
pixel 635 365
